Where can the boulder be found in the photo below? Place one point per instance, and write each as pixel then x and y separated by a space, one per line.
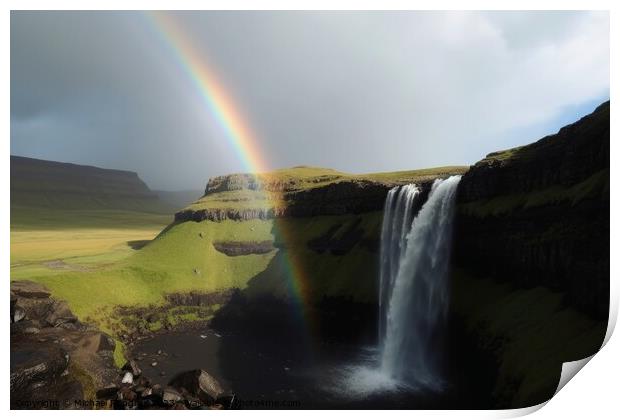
pixel 199 383
pixel 18 314
pixel 105 343
pixel 132 366
pixel 127 378
pixel 157 390
pixel 60 314
pixel 36 363
pixel 29 289
pixel 171 395
pixel 126 394
pixel 107 393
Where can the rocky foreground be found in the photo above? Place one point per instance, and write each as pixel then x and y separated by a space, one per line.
pixel 57 362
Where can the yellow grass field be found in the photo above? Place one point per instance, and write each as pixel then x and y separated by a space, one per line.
pixel 36 252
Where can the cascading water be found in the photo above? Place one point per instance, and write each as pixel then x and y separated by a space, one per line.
pixel 401 206
pixel 413 283
pixel 413 295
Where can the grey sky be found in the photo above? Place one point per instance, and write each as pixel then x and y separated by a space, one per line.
pixel 355 91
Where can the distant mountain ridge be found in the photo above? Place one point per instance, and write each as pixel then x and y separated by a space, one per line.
pixel 48 184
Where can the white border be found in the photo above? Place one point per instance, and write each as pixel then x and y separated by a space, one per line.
pixel 593 394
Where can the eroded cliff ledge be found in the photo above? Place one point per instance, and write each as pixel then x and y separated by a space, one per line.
pixel 302 192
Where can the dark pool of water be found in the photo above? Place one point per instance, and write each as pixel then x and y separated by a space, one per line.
pixel 275 372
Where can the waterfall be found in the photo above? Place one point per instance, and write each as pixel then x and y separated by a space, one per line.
pixel 401 205
pixel 413 286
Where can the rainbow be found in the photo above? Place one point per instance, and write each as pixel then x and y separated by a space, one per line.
pixel 222 107
pixel 217 100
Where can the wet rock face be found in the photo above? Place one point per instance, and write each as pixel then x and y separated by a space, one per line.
pixel 54 357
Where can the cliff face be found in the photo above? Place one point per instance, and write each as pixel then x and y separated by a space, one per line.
pixel 338 198
pixel 539 215
pixel 530 287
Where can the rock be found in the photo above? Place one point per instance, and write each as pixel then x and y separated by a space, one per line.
pixel 105 343
pixel 171 395
pixel 191 401
pixel 127 394
pixel 198 382
pixel 107 393
pixel 146 392
pixel 127 378
pixel 18 314
pixel 331 198
pixel 157 390
pixel 236 248
pixel 154 364
pixel 29 289
pixel 52 353
pixel 60 314
pixel 37 372
pixel 154 317
pixel 200 299
pixel 162 373
pixel 159 351
pixel 132 366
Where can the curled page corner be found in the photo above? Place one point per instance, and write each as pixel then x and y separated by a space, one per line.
pixel 569 370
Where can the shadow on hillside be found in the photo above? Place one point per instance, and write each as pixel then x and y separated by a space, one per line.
pixel 138 244
pixel 272 336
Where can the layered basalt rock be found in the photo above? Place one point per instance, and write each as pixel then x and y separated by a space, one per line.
pixel 337 198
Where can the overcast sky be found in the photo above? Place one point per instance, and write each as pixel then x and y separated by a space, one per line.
pixel 354 91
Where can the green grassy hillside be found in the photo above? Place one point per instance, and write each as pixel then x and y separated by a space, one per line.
pixel 67 217
pixel 99 260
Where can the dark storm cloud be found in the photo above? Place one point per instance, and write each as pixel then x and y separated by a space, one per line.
pixel 351 90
